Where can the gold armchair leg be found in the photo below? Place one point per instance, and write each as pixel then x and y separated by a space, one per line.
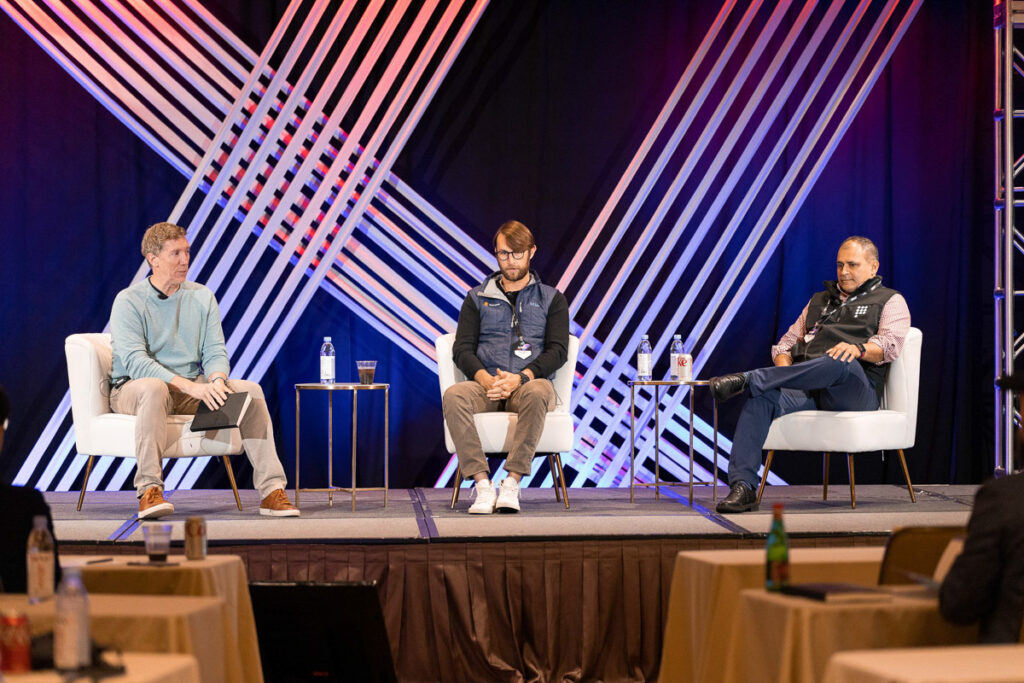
pixel 230 477
pixel 561 480
pixel 554 477
pixel 853 492
pixel 906 475
pixel 824 472
pixel 764 475
pixel 458 483
pixel 85 482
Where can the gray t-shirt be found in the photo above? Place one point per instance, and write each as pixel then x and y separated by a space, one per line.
pixel 180 335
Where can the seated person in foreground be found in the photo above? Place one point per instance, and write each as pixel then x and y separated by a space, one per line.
pixel 854 319
pixel 19 505
pixel 169 355
pixel 512 336
pixel 986 582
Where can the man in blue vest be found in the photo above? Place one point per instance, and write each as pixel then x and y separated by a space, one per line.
pixel 513 334
pixel 854 319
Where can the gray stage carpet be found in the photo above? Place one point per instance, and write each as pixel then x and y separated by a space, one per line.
pixel 423 515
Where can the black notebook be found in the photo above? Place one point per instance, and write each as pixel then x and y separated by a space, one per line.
pixel 837 592
pixel 228 415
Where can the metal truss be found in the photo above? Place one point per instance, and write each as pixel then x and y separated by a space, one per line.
pixel 1009 162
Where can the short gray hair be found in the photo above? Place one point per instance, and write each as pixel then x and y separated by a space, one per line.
pixel 867 245
pixel 157 234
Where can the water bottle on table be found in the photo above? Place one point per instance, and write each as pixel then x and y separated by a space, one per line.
pixel 39 562
pixel 645 361
pixel 71 644
pixel 327 362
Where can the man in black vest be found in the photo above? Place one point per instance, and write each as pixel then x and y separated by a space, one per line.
pixel 854 319
pixel 513 334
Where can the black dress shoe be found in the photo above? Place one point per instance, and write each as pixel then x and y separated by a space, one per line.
pixel 725 387
pixel 741 498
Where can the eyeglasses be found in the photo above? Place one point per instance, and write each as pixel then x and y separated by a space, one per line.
pixel 504 255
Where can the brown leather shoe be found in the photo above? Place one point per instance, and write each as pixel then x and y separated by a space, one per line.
pixel 153 505
pixel 276 504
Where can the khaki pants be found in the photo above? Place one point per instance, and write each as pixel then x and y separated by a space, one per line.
pixel 531 402
pixel 151 400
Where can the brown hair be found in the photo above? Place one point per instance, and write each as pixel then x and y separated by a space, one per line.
pixel 157 234
pixel 517 236
pixel 867 245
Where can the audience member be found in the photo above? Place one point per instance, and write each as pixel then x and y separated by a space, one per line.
pixel 986 582
pixel 18 506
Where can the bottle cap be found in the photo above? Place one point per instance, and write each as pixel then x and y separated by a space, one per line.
pixel 327 339
pixel 677 336
pixel 39 521
pixel 644 337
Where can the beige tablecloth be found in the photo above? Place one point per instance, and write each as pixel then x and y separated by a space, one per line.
pixel 218 575
pixel 957 664
pixel 146 623
pixel 785 638
pixel 139 668
pixel 706 585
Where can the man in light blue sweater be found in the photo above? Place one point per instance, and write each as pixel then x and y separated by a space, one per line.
pixel 169 355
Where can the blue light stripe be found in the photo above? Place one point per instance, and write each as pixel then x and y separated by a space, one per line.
pixel 241 148
pixel 633 168
pixel 305 293
pixel 293 150
pixel 640 293
pixel 622 366
pixel 327 222
pixel 797 201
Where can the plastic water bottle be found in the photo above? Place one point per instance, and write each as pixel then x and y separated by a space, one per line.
pixel 645 361
pixel 674 354
pixel 327 362
pixel 776 552
pixel 71 644
pixel 39 561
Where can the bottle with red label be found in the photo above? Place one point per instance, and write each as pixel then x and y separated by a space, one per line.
pixel 680 363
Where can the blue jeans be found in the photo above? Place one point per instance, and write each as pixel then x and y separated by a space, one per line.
pixel 820 384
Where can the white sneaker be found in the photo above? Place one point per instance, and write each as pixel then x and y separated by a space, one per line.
pixel 485 497
pixel 508 497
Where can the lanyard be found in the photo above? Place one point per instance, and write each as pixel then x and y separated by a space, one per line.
pixel 522 344
pixel 827 314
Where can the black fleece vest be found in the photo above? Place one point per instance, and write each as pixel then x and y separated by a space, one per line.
pixel 853 322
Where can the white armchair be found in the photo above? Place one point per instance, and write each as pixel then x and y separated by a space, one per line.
pixel 98 431
pixel 494 428
pixel 892 427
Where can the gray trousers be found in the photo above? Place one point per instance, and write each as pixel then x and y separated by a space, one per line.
pixel 151 400
pixel 531 402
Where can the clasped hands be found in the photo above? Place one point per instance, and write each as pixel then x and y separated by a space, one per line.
pixel 500 387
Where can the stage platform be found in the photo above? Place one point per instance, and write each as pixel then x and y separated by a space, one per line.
pixel 578 594
pixel 422 515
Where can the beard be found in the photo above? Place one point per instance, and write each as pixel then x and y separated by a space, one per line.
pixel 515 273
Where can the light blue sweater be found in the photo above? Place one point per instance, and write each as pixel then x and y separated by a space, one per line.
pixel 180 335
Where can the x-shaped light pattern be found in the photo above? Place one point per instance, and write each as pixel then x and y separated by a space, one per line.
pixel 343 223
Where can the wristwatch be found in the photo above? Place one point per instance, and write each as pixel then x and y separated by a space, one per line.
pixel 523 378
